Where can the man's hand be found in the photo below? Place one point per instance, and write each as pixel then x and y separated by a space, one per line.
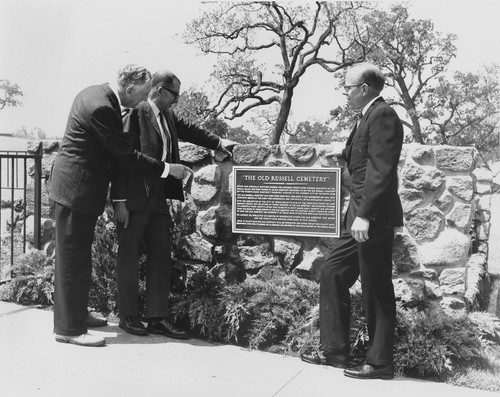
pixel 224 151
pixel 359 229
pixel 179 171
pixel 121 213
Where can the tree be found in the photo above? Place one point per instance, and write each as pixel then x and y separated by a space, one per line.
pixel 313 132
pixel 193 106
pixel 412 55
pixel 293 38
pixel 465 111
pixel 9 94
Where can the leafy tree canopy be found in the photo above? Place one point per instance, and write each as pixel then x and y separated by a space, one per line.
pixel 9 94
pixel 290 38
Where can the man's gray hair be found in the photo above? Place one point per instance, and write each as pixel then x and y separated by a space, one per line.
pixel 132 75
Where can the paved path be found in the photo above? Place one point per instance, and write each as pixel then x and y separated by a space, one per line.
pixel 33 364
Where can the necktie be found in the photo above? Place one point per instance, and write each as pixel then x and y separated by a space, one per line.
pixel 166 139
pixel 125 112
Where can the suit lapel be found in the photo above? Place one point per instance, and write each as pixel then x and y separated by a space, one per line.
pixel 112 98
pixel 368 111
pixel 152 120
pixel 358 127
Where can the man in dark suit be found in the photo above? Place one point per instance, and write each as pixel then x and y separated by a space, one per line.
pixel 365 246
pixel 93 141
pixel 142 210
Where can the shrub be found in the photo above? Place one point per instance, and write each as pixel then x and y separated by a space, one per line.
pixel 272 315
pixel 433 344
pixel 103 295
pixel 281 315
pixel 33 280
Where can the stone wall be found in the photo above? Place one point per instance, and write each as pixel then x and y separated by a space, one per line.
pixel 440 255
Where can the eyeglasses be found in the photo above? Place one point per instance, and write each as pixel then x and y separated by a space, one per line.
pixel 174 94
pixel 346 87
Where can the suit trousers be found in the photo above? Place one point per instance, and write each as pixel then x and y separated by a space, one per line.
pixel 151 227
pixel 73 270
pixel 373 261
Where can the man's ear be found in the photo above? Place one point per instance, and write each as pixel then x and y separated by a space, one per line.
pixel 130 89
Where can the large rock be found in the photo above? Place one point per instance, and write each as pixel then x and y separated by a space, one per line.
pixel 484 180
pixel 184 215
pixel 195 247
pixel 461 217
pixel 192 154
pixel 451 248
pixel 288 248
pixel 302 154
pixel 409 292
pixel 211 174
pixel 310 266
pixel 253 253
pixel 411 199
pixel 477 285
pixel 206 223
pixel 461 186
pixel 452 304
pixel 432 290
pixel 203 194
pixel 445 201
pixel 423 154
pixel 425 223
pixel 455 158
pixel 453 281
pixel 422 177
pixel 405 253
pixel 250 154
pixel 215 223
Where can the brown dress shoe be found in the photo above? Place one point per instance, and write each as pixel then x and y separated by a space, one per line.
pixel 367 371
pixel 332 360
pixel 166 328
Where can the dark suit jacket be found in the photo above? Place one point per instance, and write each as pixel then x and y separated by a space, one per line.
pixel 372 154
pixel 94 149
pixel 144 134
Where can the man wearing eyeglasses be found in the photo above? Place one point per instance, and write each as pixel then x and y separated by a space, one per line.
pixel 365 246
pixel 141 207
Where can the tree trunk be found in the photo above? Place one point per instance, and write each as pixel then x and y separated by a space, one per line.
pixel 286 104
pixel 416 129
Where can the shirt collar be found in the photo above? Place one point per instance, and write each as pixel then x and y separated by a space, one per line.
pixel 155 108
pixel 369 104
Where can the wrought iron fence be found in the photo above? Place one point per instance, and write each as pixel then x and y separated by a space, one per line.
pixel 15 209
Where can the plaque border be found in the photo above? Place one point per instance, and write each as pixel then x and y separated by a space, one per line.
pixel 336 170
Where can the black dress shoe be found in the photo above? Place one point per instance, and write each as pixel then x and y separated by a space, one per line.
pixel 94 321
pixel 166 328
pixel 132 325
pixel 367 371
pixel 333 360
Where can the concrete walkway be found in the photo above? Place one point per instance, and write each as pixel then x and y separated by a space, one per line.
pixel 33 364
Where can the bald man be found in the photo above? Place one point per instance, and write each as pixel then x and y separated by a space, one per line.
pixel 365 246
pixel 142 209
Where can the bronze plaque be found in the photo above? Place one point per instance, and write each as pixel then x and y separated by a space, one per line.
pixel 294 201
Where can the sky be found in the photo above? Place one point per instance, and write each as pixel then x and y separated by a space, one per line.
pixel 54 48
